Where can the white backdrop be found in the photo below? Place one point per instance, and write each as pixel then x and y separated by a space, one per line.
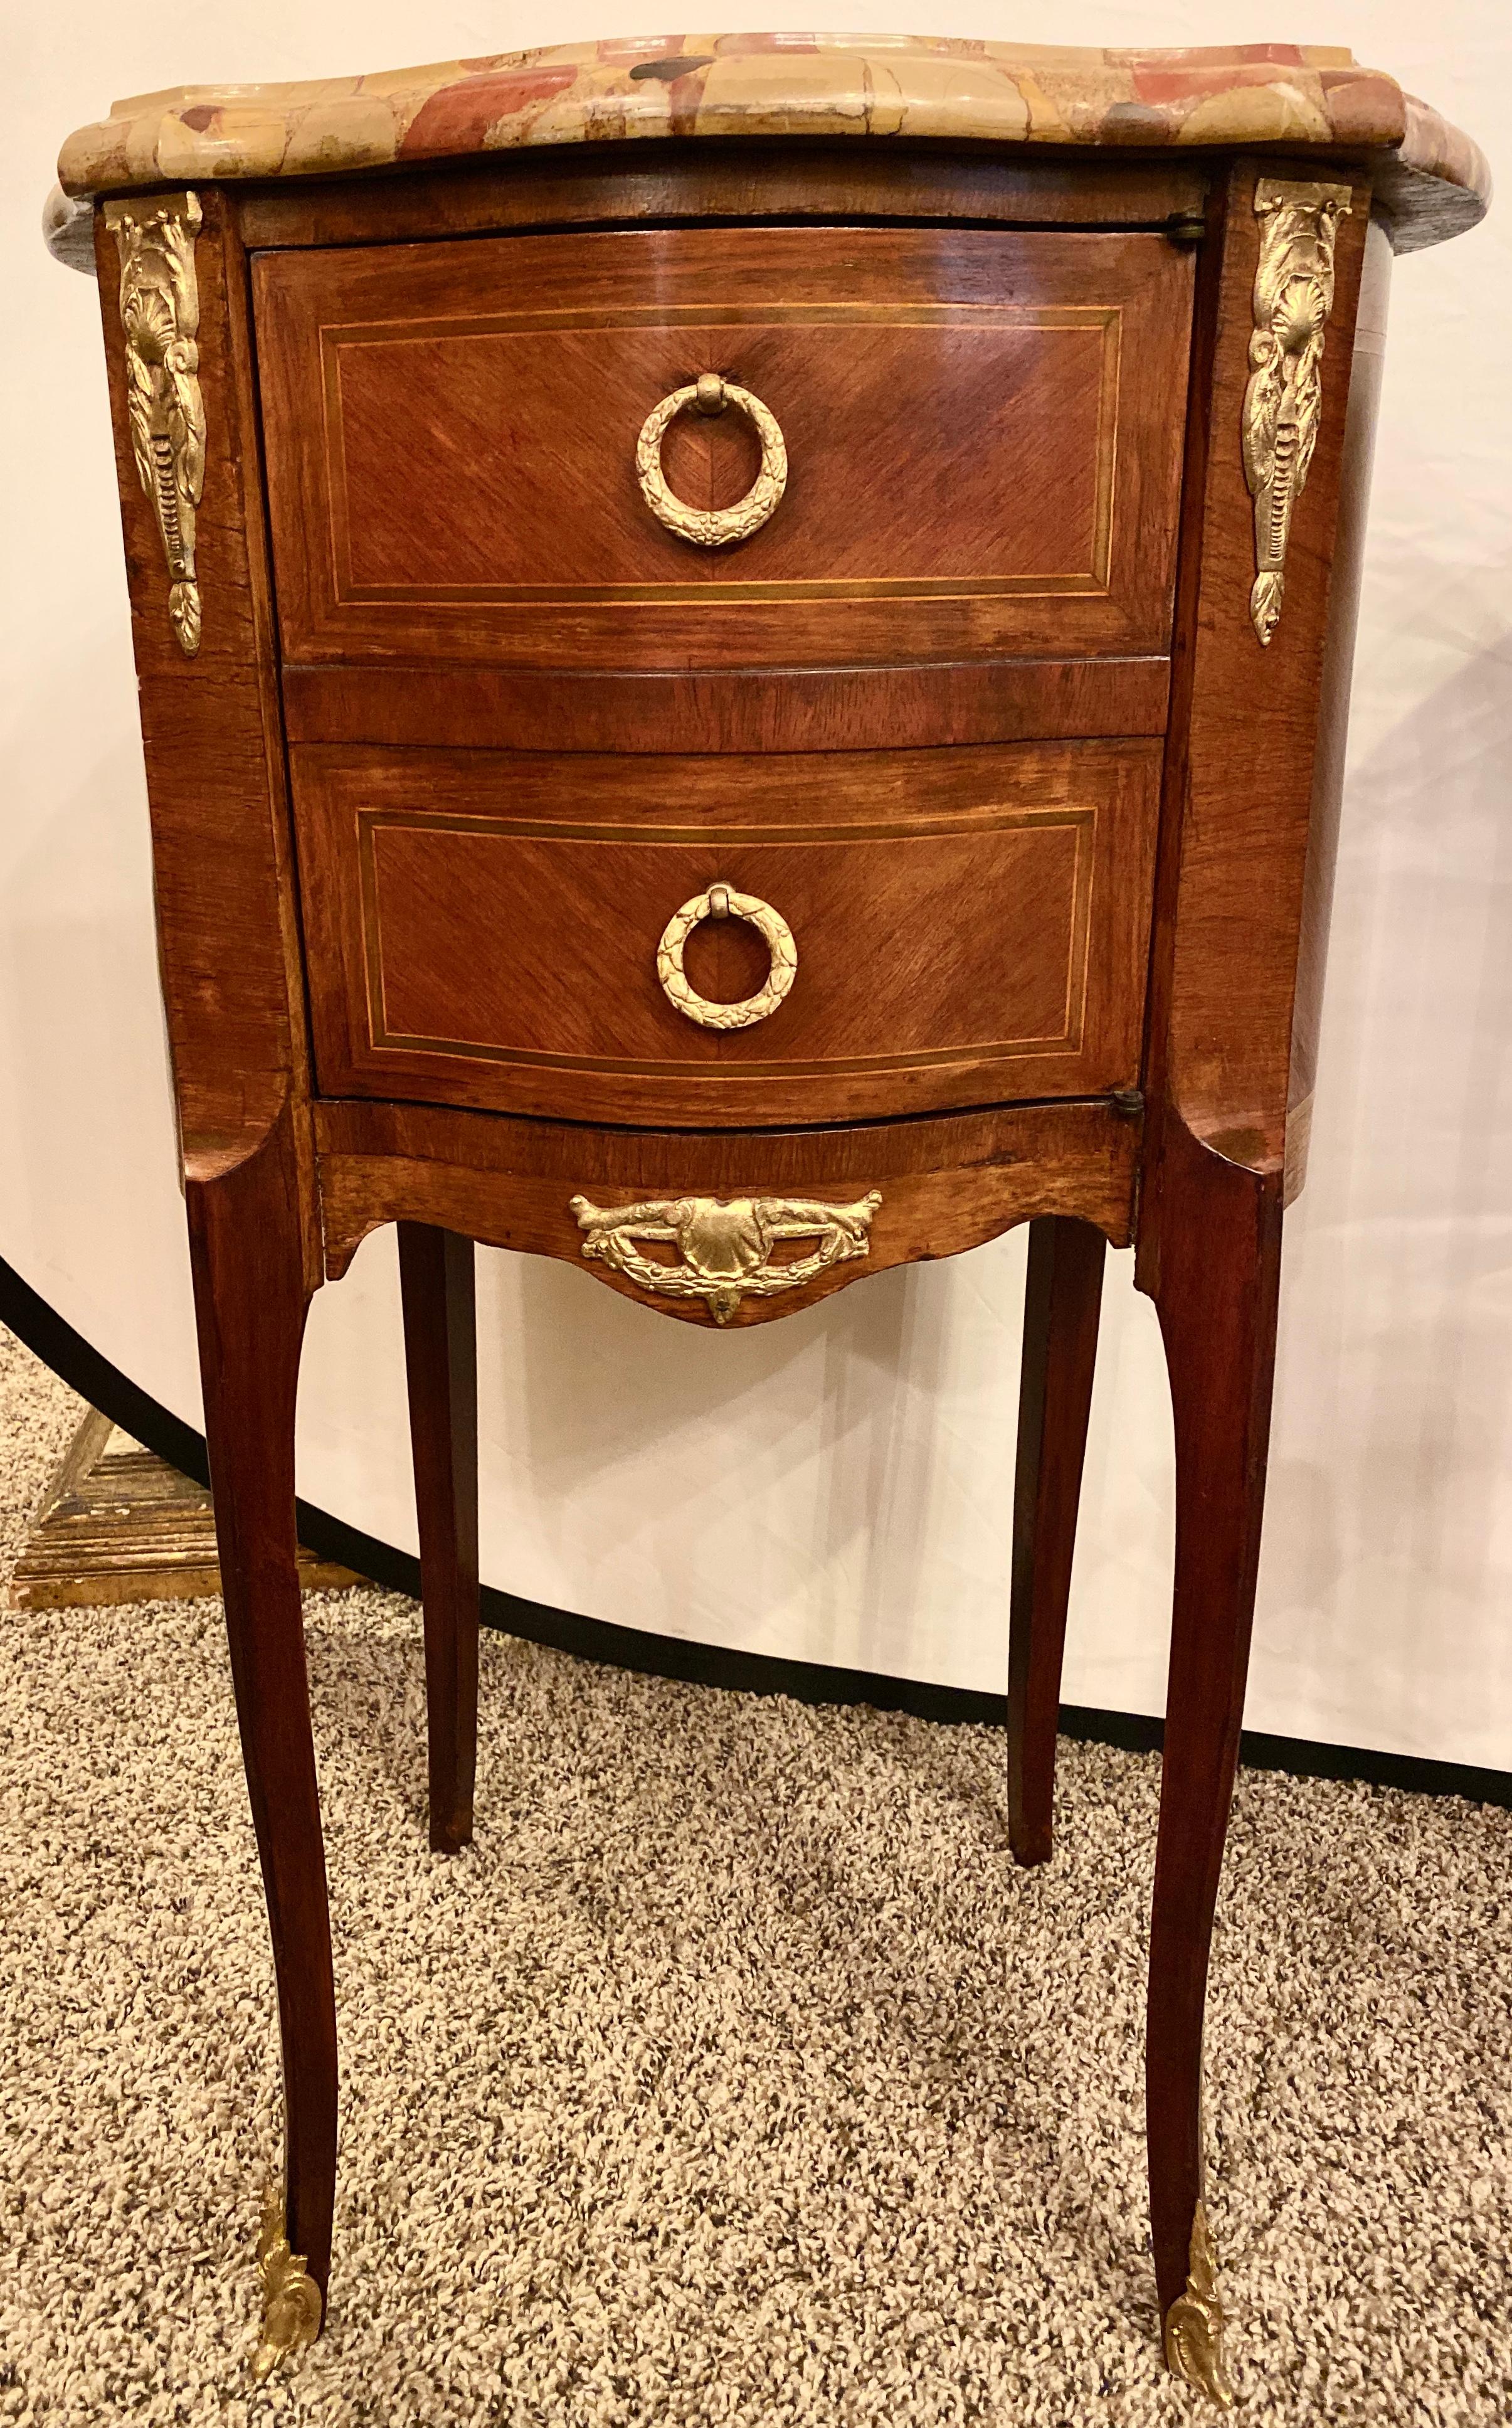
pixel 837 1486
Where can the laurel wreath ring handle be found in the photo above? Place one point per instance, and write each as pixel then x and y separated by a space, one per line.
pixel 723 902
pixel 712 526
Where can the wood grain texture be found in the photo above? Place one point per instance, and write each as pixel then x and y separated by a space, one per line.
pixel 1333 704
pixel 249 1301
pixel 1227 923
pixel 731 710
pixel 766 180
pixel 922 713
pixel 452 429
pixel 1239 793
pixel 120 1525
pixel 437 1288
pixel 212 739
pixel 1217 1304
pixel 1061 1304
pixel 969 926
pixel 948 1182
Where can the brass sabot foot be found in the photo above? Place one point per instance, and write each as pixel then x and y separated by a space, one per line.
pixel 292 2298
pixel 1194 2323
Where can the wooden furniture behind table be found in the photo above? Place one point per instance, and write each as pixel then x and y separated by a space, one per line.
pixel 117 1524
pixel 739 704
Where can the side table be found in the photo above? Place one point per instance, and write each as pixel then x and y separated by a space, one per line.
pixel 744 650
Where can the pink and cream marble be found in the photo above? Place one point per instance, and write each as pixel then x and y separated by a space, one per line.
pixel 791 84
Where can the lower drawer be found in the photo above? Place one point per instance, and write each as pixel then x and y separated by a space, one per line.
pixel 722 942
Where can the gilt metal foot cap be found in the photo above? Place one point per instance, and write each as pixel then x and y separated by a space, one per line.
pixel 292 2298
pixel 1194 2323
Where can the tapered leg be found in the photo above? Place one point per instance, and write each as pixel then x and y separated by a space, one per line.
pixel 1218 1270
pixel 1060 1311
pixel 250 1303
pixel 435 1270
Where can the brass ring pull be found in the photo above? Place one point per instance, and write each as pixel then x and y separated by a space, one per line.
pixel 723 902
pixel 707 526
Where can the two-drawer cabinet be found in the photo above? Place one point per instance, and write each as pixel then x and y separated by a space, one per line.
pixel 744 649
pixel 980 438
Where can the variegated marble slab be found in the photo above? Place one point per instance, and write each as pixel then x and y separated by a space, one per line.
pixel 795 85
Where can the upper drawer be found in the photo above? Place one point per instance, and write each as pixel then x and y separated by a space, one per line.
pixel 982 434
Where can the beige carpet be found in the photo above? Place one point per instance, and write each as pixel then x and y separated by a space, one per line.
pixel 735 2077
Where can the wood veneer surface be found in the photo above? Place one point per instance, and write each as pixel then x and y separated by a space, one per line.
pixel 970 925
pixel 1011 450
pixel 981 432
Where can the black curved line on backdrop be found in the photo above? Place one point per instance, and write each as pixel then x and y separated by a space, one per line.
pixel 105 1386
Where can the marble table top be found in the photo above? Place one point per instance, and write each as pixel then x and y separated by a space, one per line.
pixel 1433 180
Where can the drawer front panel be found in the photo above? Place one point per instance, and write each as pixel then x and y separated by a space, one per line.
pixel 981 435
pixel 967 927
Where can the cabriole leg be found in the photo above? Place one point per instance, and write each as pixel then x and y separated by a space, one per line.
pixel 436 1281
pixel 250 1304
pixel 1220 1251
pixel 1061 1310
